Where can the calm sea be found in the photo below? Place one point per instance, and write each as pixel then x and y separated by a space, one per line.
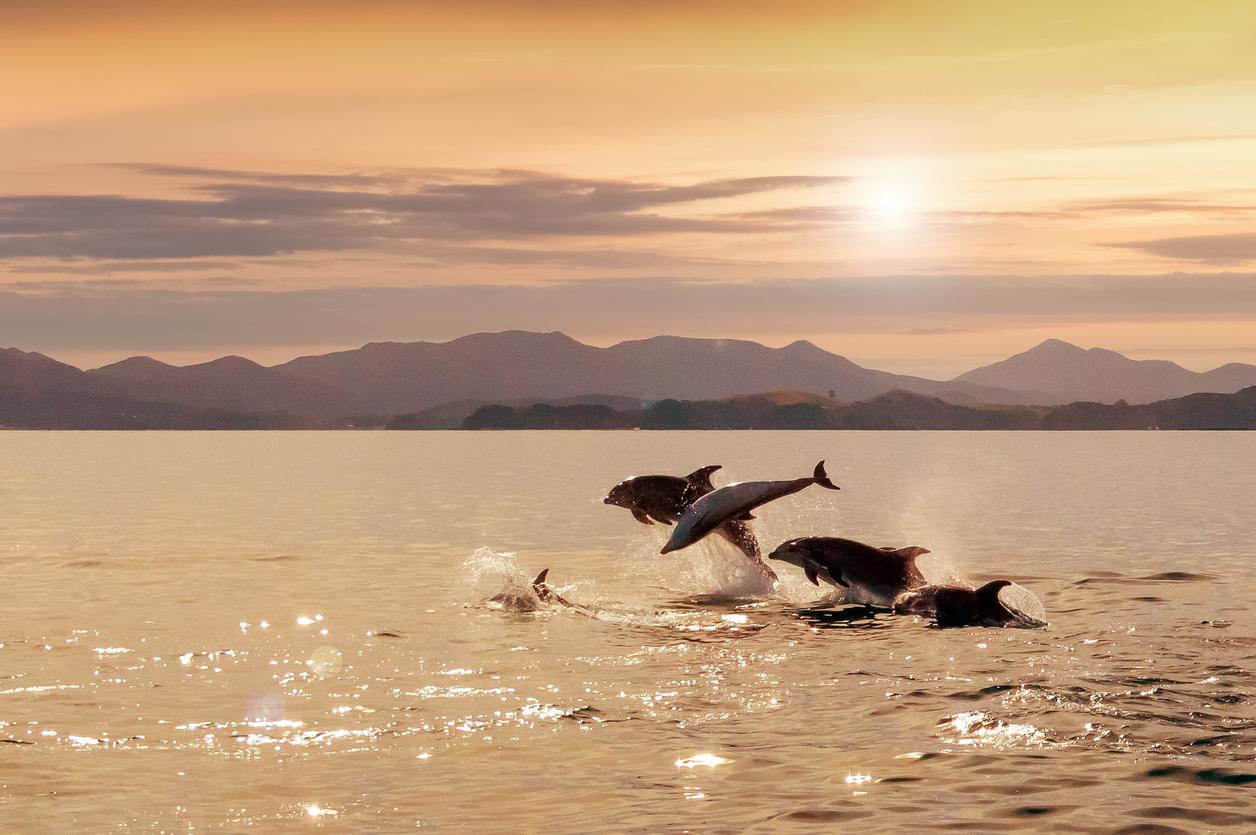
pixel 280 632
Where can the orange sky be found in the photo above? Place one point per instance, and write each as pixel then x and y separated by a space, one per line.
pixel 276 148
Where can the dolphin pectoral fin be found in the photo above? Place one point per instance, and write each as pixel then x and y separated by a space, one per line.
pixel 640 516
pixel 745 517
pixel 812 575
pixel 661 520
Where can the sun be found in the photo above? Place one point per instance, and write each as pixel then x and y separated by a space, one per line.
pixel 891 203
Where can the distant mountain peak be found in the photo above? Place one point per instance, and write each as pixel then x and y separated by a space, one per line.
pixel 517 335
pixel 139 362
pixel 1058 372
pixel 1056 346
pixel 231 362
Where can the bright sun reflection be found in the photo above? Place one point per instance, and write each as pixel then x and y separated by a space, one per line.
pixel 708 760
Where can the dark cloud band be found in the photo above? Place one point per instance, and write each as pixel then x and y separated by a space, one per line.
pixel 83 315
pixel 243 214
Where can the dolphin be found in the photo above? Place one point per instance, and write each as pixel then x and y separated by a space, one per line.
pixel 961 606
pixel 664 499
pixel 520 601
pixel 661 498
pixel 719 507
pixel 872 576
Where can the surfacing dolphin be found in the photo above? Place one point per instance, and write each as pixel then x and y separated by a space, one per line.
pixel 719 507
pixel 664 498
pixel 521 601
pixel 869 575
pixel 962 606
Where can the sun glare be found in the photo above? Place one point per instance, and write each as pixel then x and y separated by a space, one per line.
pixel 891 203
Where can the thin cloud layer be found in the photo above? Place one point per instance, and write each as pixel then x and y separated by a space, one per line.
pixel 256 215
pixel 1237 248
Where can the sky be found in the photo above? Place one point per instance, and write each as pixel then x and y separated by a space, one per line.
pixel 923 187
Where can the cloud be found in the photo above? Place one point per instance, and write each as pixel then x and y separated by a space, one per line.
pixel 87 267
pixel 1161 205
pixel 133 317
pixel 1234 248
pixel 249 214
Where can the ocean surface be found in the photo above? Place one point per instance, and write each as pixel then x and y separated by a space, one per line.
pixel 289 632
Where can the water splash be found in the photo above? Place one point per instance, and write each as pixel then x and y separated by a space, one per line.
pixel 715 569
pixel 1026 606
pixel 494 580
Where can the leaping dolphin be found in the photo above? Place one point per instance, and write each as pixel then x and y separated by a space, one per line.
pixel 664 499
pixel 661 498
pixel 719 507
pixel 869 575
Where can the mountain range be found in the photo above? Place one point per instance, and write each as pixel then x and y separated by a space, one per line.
pixel 373 384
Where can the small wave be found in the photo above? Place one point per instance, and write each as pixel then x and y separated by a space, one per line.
pixel 1206 775
pixel 1181 577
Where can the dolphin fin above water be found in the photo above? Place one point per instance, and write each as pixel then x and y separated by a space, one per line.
pixel 640 515
pixel 908 553
pixel 812 574
pixel 702 475
pixel 698 484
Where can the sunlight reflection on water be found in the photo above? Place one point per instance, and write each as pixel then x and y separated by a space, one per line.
pixel 248 640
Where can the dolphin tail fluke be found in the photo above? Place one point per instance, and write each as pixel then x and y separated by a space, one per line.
pixel 822 478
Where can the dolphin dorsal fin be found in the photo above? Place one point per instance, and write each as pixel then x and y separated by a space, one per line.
pixel 909 553
pixel 540 578
pixel 990 591
pixel 702 476
pixel 699 484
